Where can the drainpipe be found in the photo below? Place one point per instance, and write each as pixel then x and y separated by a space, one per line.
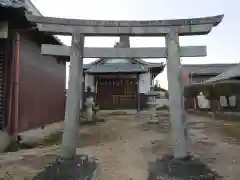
pixel 16 81
pixel 10 94
pixel 138 94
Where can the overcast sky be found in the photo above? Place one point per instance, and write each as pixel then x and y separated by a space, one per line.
pixel 222 43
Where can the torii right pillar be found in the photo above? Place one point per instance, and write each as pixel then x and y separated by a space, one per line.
pixel 175 88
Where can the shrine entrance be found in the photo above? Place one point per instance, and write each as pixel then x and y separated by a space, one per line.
pixel 170 29
pixel 117 92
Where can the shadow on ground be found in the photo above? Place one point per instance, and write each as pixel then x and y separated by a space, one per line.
pixel 188 169
pixel 79 168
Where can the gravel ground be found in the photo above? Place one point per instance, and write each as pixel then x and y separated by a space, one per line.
pixel 125 145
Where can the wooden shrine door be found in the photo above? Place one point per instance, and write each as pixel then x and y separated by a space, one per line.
pixel 117 92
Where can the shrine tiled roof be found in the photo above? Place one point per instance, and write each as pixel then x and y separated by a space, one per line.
pixel 12 3
pixel 23 4
pixel 113 68
pixel 233 72
pixel 140 66
pixel 205 69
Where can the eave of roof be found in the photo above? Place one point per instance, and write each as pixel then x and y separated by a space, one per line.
pixel 140 66
pixel 21 4
pixel 229 74
pixel 206 69
pixel 116 68
pixel 33 9
pixel 154 65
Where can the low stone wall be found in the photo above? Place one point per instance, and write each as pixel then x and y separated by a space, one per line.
pixel 162 102
pixel 5 140
pixel 30 138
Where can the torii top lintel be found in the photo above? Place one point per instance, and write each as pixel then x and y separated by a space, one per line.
pixel 193 26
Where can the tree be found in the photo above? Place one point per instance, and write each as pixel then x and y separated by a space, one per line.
pixel 157 86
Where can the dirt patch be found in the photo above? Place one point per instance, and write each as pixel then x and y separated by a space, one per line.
pixel 162 127
pixel 26 168
pixel 230 132
pixel 160 146
pixel 125 144
pixel 93 136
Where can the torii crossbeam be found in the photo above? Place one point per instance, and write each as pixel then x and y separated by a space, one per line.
pixel 184 27
pixel 156 52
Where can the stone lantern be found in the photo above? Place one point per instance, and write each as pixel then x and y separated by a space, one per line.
pixel 152 106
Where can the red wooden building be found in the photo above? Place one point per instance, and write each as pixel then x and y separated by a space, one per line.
pixel 32 86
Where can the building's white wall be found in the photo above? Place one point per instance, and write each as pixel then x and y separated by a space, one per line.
pixel 203 102
pixel 223 101
pixel 89 81
pixel 144 82
pixel 116 61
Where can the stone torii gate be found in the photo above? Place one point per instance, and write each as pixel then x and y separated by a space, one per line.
pixel 170 29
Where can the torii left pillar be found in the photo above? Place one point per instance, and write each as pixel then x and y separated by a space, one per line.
pixel 74 96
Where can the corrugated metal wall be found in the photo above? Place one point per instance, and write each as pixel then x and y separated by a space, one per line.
pixel 42 87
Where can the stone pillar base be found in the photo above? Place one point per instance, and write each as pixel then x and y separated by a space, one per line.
pixel 79 168
pixel 180 169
